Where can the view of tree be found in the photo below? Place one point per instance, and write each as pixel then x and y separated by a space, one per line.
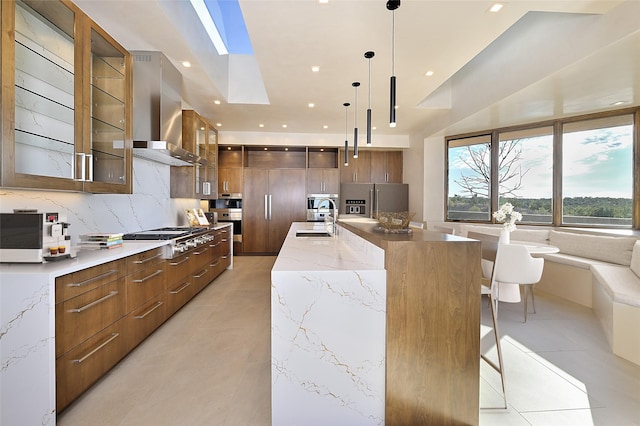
pixel 478 160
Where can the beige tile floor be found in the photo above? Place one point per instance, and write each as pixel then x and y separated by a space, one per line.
pixel 209 365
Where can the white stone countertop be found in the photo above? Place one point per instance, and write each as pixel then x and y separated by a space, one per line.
pixel 84 259
pixel 341 252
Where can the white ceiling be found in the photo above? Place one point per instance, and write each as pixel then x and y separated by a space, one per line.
pixel 532 61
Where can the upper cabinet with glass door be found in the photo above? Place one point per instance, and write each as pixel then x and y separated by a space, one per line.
pixel 210 186
pixel 47 101
pixel 109 122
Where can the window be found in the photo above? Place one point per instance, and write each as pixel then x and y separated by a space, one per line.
pixel 525 173
pixel 469 167
pixel 597 171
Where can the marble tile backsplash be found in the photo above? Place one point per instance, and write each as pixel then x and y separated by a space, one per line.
pixel 150 205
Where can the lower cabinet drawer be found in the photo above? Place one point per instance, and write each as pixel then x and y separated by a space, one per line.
pixel 144 284
pixel 81 317
pixel 179 293
pixel 83 365
pixel 144 320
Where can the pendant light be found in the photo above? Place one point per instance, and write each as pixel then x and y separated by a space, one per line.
pixel 369 55
pixel 346 141
pixel 392 5
pixel 355 84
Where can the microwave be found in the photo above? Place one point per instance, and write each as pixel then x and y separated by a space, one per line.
pixel 33 237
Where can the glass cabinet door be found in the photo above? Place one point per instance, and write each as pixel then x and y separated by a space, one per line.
pixel 108 156
pixel 212 169
pixel 45 95
pixel 201 151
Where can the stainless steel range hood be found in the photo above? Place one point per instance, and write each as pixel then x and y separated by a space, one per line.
pixel 157 111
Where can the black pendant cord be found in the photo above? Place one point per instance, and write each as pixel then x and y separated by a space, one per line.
pixel 346 130
pixel 392 5
pixel 355 128
pixel 369 55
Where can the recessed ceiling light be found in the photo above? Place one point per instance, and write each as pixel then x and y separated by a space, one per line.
pixel 315 68
pixel 260 125
pixel 219 124
pixel 429 73
pixel 325 127
pixel 496 7
pixel 374 128
pixel 311 104
pixel 323 1
pixel 284 126
pixel 217 102
pixel 186 64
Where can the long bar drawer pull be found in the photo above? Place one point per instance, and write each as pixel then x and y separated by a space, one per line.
pixel 214 245
pixel 159 271
pixel 90 280
pixel 216 263
pixel 156 306
pixel 204 272
pixel 200 252
pixel 94 303
pixel 179 263
pixel 102 345
pixel 140 262
pixel 224 240
pixel 186 284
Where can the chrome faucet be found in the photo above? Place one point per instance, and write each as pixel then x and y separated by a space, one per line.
pixel 334 228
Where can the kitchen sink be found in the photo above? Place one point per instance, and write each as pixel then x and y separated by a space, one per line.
pixel 312 233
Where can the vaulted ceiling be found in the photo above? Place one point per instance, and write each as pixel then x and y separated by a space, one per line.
pixel 531 61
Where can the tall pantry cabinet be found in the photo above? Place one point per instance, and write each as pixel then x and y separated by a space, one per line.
pixel 272 200
pixel 66 101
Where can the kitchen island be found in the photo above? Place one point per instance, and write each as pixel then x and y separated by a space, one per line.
pixel 372 328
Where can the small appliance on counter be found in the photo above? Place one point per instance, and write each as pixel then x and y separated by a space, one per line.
pixel 30 237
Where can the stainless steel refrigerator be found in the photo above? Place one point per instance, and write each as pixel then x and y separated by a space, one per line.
pixel 364 199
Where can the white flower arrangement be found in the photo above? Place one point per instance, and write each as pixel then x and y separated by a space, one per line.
pixel 507 215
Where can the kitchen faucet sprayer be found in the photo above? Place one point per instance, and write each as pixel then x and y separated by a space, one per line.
pixel 334 228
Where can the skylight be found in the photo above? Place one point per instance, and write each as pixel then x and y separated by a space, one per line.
pixel 225 25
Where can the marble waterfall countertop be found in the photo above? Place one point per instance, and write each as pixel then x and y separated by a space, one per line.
pixel 328 297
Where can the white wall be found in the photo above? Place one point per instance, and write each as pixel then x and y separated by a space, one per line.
pixel 148 207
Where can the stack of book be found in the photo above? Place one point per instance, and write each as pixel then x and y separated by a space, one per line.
pixel 100 241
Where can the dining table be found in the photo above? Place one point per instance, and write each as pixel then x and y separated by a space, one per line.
pixel 510 293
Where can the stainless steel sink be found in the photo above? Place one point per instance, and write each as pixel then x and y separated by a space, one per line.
pixel 312 233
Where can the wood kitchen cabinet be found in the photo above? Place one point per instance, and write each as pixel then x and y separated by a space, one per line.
pixel 230 163
pixel 146 295
pixel 358 170
pixel 198 181
pixel 230 180
pixel 66 101
pixel 323 181
pixel 386 166
pixel 273 198
pixel 90 332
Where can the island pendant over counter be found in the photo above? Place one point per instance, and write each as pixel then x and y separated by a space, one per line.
pixel 428 297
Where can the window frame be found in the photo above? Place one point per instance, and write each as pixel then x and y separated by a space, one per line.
pixel 556 201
